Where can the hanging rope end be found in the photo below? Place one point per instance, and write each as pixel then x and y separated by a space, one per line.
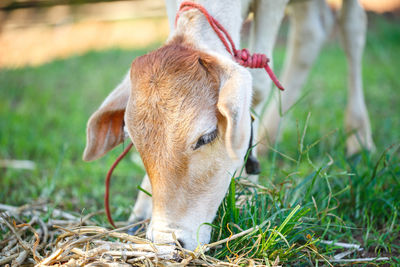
pixel 107 183
pixel 279 85
pixel 273 77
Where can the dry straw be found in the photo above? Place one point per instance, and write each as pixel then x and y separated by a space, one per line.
pixel 68 240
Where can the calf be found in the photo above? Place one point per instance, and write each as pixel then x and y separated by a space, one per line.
pixel 186 108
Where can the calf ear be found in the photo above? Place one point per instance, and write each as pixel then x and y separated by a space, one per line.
pixel 105 127
pixel 234 104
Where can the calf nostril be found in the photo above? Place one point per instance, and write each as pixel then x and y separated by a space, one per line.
pixel 181 242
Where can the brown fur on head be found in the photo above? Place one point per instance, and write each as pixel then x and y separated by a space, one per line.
pixel 171 88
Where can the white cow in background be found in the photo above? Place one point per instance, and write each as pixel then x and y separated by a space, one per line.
pixel 311 23
pixel 186 106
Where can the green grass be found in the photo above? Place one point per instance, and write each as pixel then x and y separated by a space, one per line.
pixel 44 110
pixel 43 115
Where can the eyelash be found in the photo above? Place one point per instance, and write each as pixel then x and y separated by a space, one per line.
pixel 206 139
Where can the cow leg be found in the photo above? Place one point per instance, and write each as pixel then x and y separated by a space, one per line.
pixel 268 15
pixel 143 205
pixel 353 27
pixel 310 23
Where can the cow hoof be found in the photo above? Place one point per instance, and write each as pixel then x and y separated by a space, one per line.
pixel 355 145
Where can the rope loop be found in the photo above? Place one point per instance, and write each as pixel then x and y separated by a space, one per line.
pixel 243 56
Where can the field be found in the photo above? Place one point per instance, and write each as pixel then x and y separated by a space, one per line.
pixel 44 110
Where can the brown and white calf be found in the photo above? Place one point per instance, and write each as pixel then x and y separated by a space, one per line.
pixel 186 108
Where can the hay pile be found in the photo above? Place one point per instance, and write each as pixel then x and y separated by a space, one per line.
pixel 67 240
pixel 38 235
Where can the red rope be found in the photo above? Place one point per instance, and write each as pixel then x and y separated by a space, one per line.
pixel 243 56
pixel 108 178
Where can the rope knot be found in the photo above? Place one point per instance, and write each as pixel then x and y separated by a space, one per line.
pixel 244 58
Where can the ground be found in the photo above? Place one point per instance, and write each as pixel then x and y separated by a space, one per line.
pixel 44 110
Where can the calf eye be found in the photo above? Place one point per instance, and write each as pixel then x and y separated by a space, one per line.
pixel 205 139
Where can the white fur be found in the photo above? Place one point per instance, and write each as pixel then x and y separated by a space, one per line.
pixel 199 30
pixel 143 206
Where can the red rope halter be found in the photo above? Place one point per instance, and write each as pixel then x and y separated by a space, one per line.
pixel 243 56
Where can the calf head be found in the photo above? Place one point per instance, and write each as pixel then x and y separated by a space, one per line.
pixel 187 113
